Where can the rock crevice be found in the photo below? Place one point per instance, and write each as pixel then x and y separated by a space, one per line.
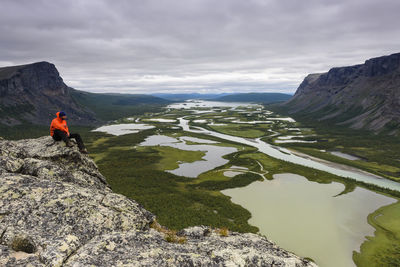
pixel 56 209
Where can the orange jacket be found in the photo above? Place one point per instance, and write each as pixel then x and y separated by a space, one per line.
pixel 59 124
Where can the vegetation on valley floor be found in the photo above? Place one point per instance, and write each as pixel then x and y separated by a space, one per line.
pixel 379 153
pixel 26 131
pixel 114 106
pixel 241 130
pixel 178 202
pixel 382 249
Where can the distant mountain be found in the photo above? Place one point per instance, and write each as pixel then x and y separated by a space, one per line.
pixel 361 96
pixel 33 93
pixel 183 97
pixel 255 97
pixel 114 106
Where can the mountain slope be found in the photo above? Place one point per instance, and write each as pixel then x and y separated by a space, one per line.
pixel 360 96
pixel 33 93
pixel 255 97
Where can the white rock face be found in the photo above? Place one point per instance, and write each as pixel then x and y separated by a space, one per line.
pixel 56 209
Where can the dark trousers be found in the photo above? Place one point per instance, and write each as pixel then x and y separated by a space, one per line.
pixel 60 135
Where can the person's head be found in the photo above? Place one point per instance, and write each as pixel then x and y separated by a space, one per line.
pixel 62 115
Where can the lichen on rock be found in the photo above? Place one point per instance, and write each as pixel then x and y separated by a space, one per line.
pixel 56 209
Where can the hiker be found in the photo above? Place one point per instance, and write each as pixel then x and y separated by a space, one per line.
pixel 59 131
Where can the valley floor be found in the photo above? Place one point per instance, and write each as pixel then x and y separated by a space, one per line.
pixel 154 174
pixel 146 173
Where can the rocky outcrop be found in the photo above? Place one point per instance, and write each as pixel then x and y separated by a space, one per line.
pixel 34 93
pixel 361 96
pixel 56 209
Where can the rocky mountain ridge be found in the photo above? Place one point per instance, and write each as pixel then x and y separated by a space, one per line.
pixel 33 93
pixel 56 209
pixel 360 96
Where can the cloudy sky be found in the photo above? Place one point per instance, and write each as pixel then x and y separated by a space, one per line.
pixel 205 46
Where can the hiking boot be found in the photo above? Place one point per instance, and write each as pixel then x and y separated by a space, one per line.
pixel 69 144
pixel 83 151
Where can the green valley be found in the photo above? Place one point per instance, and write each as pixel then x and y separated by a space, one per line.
pixel 145 172
pixel 227 148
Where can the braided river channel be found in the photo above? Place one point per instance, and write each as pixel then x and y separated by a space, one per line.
pixel 311 219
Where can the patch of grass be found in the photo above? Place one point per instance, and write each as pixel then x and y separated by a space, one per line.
pixel 172 157
pixel 383 249
pixel 173 238
pixel 169 235
pixel 239 180
pixel 223 231
pixel 247 131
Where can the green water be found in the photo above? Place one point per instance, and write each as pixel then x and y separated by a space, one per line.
pixel 306 218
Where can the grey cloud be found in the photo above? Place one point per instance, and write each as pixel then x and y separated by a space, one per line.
pixel 157 45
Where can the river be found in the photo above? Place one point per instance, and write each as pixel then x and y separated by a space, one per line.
pixel 305 217
pixel 286 155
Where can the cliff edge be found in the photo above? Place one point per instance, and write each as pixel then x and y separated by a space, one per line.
pixel 361 96
pixel 32 93
pixel 56 209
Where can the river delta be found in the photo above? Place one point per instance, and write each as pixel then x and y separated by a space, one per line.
pixel 226 164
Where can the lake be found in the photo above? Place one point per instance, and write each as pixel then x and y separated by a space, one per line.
pixel 305 217
pixel 124 128
pixel 213 154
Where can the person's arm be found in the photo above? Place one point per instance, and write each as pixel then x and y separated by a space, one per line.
pixel 66 129
pixel 52 128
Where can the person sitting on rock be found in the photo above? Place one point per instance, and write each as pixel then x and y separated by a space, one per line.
pixel 59 131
